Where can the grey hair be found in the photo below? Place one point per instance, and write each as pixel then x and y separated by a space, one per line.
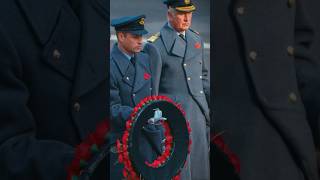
pixel 172 10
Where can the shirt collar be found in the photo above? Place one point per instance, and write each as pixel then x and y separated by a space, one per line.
pixel 125 54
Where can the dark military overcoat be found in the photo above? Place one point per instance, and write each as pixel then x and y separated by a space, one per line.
pixel 53 83
pixel 263 79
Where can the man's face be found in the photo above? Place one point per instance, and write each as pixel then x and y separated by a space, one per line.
pixel 180 21
pixel 130 42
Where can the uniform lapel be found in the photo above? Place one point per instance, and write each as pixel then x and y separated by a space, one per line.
pixel 142 72
pixel 193 43
pixel 179 47
pixel 126 69
pixel 168 37
pixel 52 22
pixel 101 7
pixel 173 43
pixel 92 67
pixel 42 16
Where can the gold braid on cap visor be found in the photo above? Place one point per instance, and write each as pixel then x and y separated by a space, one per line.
pixel 186 8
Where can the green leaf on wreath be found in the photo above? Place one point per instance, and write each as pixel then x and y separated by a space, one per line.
pixel 94 149
pixel 83 164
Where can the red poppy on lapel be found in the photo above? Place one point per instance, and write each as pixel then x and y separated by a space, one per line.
pixel 146 76
pixel 197 45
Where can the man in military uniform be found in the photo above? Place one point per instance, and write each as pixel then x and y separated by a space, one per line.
pixel 182 74
pixel 53 79
pixel 266 87
pixel 130 82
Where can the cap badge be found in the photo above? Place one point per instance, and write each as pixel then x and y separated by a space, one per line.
pixel 141 22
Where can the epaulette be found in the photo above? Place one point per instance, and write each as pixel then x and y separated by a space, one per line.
pixel 195 31
pixel 154 37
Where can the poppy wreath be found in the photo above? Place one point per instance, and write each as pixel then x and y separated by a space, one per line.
pixel 89 153
pixel 177 142
pixel 225 162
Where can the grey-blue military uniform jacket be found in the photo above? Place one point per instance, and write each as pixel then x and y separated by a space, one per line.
pixel 129 84
pixel 195 65
pixel 182 73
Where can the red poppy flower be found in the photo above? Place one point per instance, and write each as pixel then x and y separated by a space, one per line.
pixel 128 124
pixel 83 151
pixel 74 167
pixel 167 153
pixel 135 109
pixel 197 45
pixel 146 76
pixel 125 137
pixel 103 128
pixel 125 173
pixel 120 157
pixel 177 177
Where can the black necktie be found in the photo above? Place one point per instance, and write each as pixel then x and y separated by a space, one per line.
pixel 133 61
pixel 182 36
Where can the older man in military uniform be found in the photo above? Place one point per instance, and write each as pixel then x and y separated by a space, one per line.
pixel 130 82
pixel 182 74
pixel 267 87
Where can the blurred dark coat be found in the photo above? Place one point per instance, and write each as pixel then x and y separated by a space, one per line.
pixel 313 105
pixel 264 83
pixel 53 83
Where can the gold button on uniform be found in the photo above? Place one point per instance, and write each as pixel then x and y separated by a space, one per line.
pixel 76 106
pixel 292 97
pixel 291 3
pixel 290 50
pixel 189 78
pixel 240 11
pixel 56 54
pixel 253 56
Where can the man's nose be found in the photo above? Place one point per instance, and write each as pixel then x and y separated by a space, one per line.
pixel 185 18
